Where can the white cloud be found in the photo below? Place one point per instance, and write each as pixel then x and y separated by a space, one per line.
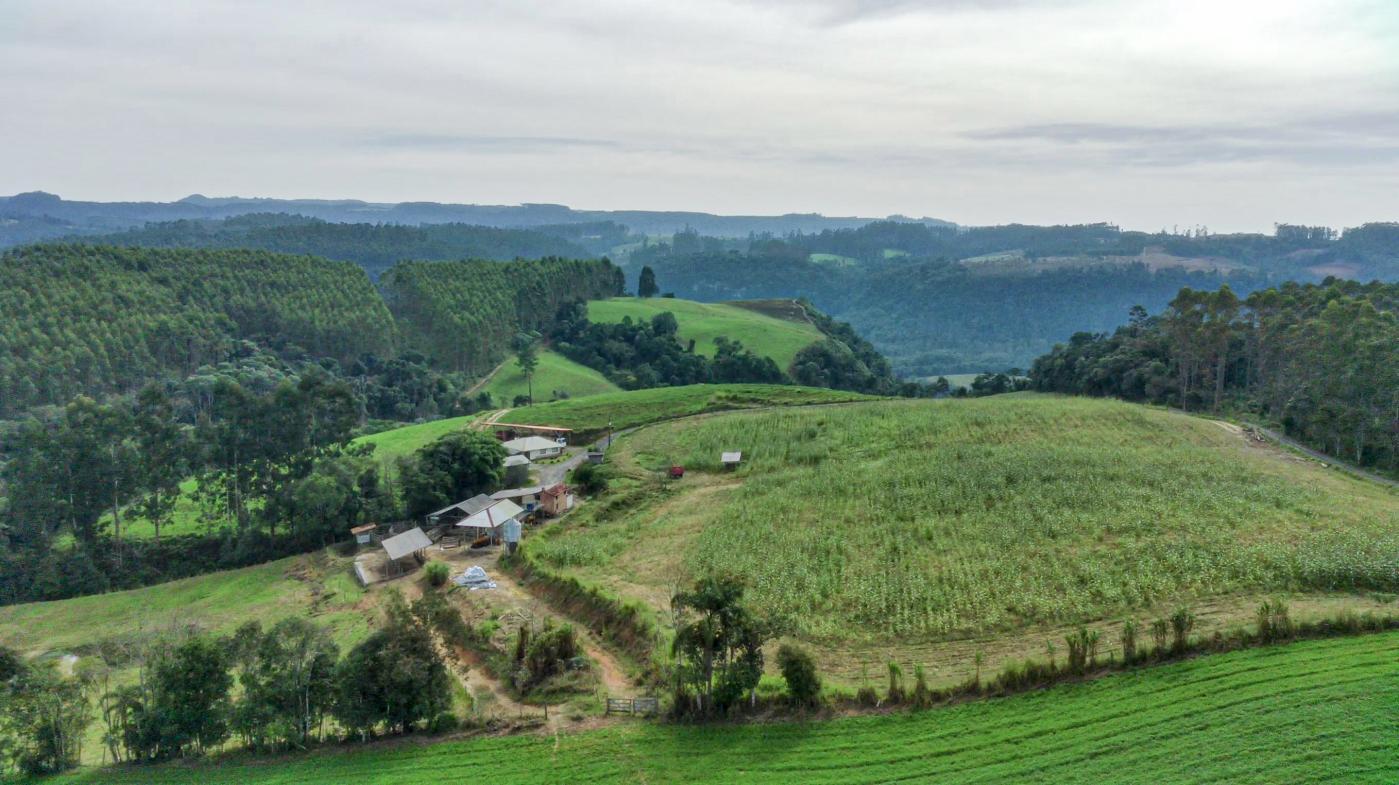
pixel 1231 114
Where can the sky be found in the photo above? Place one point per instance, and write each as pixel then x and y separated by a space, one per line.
pixel 1149 114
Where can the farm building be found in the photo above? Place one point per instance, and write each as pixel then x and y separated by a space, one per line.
pixel 487 524
pixel 460 511
pixel 364 535
pixel 556 500
pixel 527 497
pixel 401 547
pixel 534 447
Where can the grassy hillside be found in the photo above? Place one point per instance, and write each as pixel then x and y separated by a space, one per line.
pixel 317 585
pixel 901 521
pixel 779 339
pixel 591 415
pixel 555 373
pixel 1322 711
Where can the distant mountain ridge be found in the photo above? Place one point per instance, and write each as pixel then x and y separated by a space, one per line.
pixel 36 215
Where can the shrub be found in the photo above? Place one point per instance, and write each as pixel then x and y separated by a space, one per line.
pixel 922 696
pixel 590 479
pixel 1160 629
pixel 896 686
pixel 1274 623
pixel 1129 640
pixel 1083 649
pixel 799 670
pixel 437 573
pixel 1182 622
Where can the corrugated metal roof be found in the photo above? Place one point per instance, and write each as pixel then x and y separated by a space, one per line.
pixel 493 516
pixel 471 506
pixel 731 457
pixel 532 443
pixel 406 544
pixel 515 493
pixel 516 460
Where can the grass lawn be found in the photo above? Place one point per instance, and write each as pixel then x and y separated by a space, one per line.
pixel 832 260
pixel 403 441
pixel 555 373
pixel 629 409
pixel 1320 711
pixel 764 335
pixel 900 521
pixel 316 585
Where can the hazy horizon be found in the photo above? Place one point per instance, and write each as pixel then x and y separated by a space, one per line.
pixel 1233 116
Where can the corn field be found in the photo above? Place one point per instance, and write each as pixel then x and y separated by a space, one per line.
pixel 918 518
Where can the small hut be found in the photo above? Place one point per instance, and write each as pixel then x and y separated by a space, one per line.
pixel 401 547
pixel 731 460
pixel 556 500
pixel 364 535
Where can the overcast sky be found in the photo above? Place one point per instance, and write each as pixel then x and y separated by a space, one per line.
pixel 1146 113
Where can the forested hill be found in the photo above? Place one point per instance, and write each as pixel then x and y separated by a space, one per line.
pixel 947 300
pixel 83 319
pixel 1321 362
pixel 375 247
pixel 36 216
pixel 466 313
pixel 93 320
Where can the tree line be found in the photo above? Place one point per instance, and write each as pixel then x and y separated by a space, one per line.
pixel 269 689
pixel 268 474
pixel 374 247
pixel 1319 360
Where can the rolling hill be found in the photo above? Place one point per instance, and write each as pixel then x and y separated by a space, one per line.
pixel 911 525
pixel 556 374
pixel 1322 711
pixel 765 335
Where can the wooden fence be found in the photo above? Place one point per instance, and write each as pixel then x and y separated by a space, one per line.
pixel 634 706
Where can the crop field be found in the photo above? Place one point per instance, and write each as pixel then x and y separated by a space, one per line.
pixel 900 521
pixel 555 374
pixel 591 415
pixel 779 339
pixel 1321 711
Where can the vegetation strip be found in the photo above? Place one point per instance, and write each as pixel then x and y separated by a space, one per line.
pixel 1329 729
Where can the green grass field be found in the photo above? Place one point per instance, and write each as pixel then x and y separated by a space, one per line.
pixel 555 373
pixel 899 521
pixel 1322 711
pixel 779 339
pixel 317 585
pixel 832 260
pixel 637 407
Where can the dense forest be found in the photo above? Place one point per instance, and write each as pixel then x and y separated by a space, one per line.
pixel 78 319
pixel 467 314
pixel 375 247
pixel 939 299
pixel 1321 361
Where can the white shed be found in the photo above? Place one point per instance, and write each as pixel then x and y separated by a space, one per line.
pixel 534 447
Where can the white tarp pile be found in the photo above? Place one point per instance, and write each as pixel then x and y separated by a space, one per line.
pixel 474 578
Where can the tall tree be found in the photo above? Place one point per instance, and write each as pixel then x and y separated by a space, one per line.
pixel 646 284
pixel 527 358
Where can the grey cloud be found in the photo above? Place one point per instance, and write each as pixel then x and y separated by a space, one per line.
pixel 431 141
pixel 1336 141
